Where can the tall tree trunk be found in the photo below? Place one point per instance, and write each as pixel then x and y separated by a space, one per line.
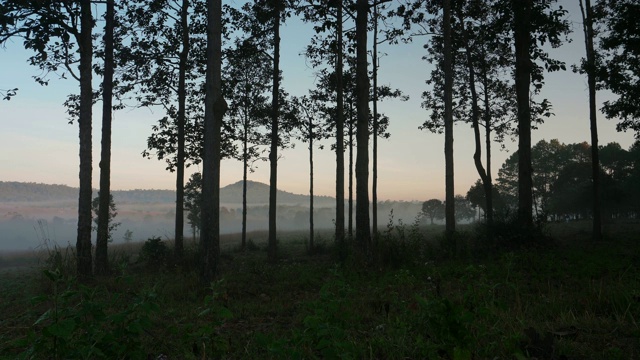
pixel 311 240
pixel 339 133
pixel 522 10
pixel 374 187
pixel 488 188
pixel 363 229
pixel 182 96
pixel 587 20
pixel 273 155
pixel 102 238
pixel 245 168
pixel 475 115
pixel 450 218
pixel 215 106
pixel 350 206
pixel 83 243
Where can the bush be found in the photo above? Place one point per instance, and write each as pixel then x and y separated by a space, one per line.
pixel 154 251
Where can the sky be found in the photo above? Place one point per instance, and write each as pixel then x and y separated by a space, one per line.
pixel 38 145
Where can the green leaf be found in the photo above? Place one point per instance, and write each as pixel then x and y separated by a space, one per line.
pixel 43 317
pixel 63 329
pixel 461 354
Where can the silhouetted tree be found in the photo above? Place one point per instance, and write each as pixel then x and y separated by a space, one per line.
pixel 433 209
pixel 590 67
pixel 105 198
pixel 54 30
pixel 619 72
pixel 215 107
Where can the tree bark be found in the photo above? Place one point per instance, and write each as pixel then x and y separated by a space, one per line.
pixel 85 43
pixel 475 117
pixel 182 96
pixel 273 155
pixel 488 187
pixel 450 219
pixel 102 238
pixel 339 133
pixel 522 10
pixel 245 168
pixel 374 187
pixel 350 185
pixel 363 229
pixel 215 107
pixel 587 20
pixel 311 239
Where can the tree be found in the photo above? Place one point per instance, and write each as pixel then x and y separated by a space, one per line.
pixel 275 109
pixel 103 230
pixel 618 70
pixel 331 50
pixel 51 30
pixel 161 32
pixel 363 229
pixel 522 35
pixel 215 107
pixel 447 69
pixel 464 209
pixel 477 197
pixel 587 21
pixel 310 110
pixel 433 209
pixel 193 202
pixel 533 27
pixel 246 84
pixel 111 215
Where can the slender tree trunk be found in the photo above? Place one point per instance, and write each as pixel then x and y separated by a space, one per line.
pixel 374 190
pixel 350 207
pixel 488 188
pixel 102 238
pixel 273 156
pixel 311 240
pixel 215 106
pixel 339 133
pixel 522 34
pixel 83 243
pixel 450 219
pixel 182 97
pixel 475 116
pixel 363 229
pixel 587 20
pixel 245 168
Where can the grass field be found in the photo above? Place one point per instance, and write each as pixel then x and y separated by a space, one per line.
pixel 567 298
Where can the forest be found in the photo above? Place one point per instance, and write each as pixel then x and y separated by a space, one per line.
pixel 550 270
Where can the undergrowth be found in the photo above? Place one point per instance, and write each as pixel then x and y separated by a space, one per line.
pixel 410 300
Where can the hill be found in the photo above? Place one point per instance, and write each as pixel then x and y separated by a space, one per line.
pixel 257 194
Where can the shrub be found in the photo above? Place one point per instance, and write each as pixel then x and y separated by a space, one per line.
pixel 154 251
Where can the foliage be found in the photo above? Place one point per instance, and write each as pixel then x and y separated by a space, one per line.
pixel 618 60
pixel 128 236
pixel 433 209
pixel 113 212
pixel 489 304
pixel 562 180
pixel 76 325
pixel 193 200
pixel 154 252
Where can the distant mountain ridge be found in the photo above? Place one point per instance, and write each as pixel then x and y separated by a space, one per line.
pixel 257 194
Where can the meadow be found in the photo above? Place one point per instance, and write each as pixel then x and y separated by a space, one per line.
pixel 561 296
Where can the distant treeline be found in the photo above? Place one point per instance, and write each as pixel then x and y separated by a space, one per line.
pixel 562 182
pixel 257 193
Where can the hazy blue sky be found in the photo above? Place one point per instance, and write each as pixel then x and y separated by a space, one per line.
pixel 39 146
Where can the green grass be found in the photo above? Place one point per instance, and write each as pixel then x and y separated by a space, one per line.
pixel 573 298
